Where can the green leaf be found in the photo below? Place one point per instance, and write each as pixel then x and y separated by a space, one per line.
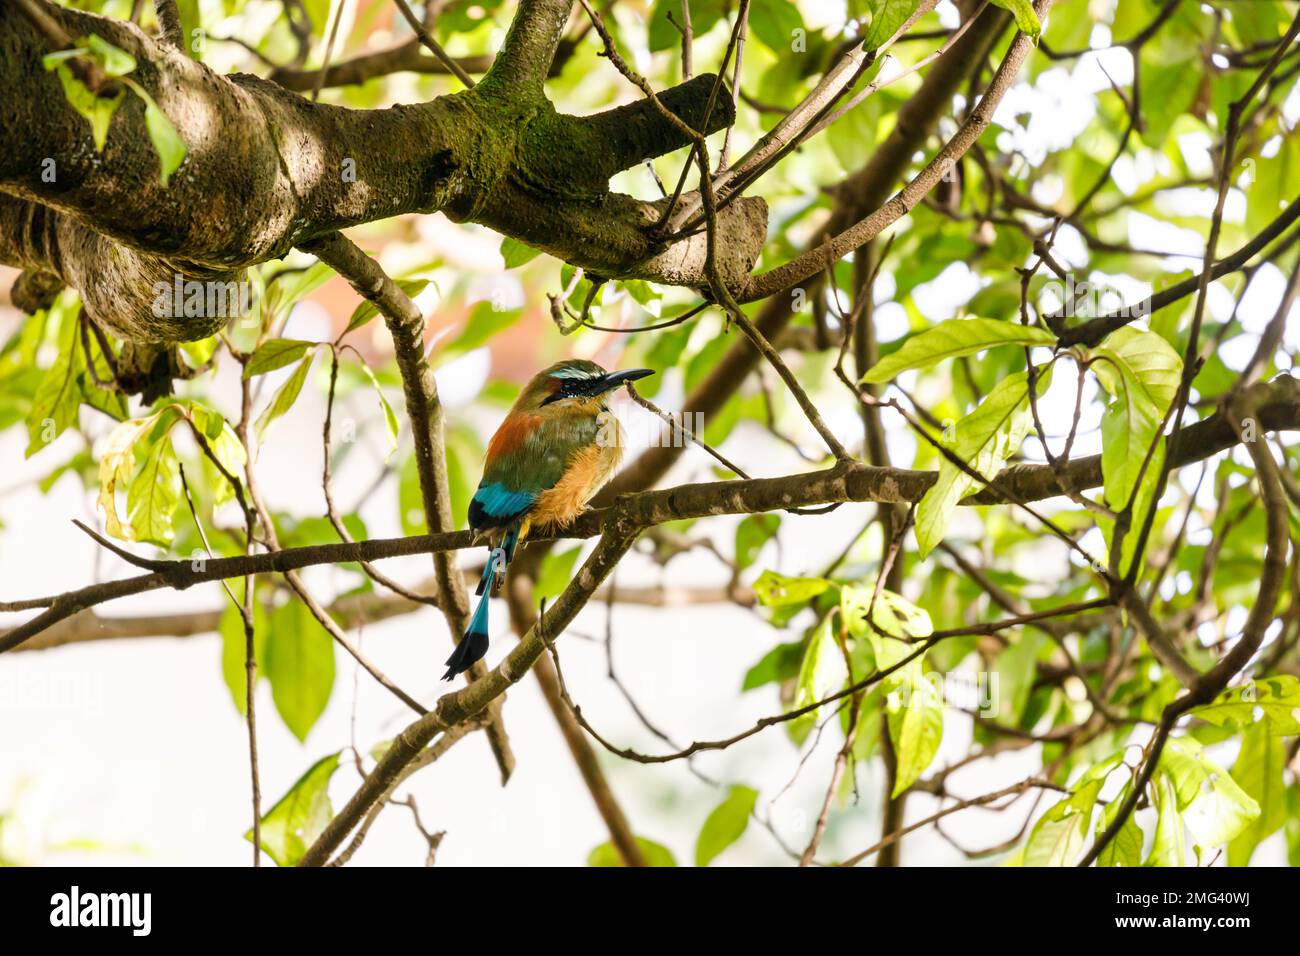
pixel 300 816
pixel 299 665
pixel 112 60
pixel 483 323
pixel 1293 825
pixel 952 339
pixel 1276 701
pixel 515 253
pixel 1258 771
pixel 886 18
pixel 167 143
pixel 896 621
pixel 117 464
pixel 1016 666
pixel 655 854
pixel 229 450
pixel 284 396
pixel 1059 834
pixel 367 310
pixel 1026 18
pixel 662 35
pixel 1214 807
pixel 985 439
pixel 1170 845
pixel 191 23
pixel 778 664
pixel 410 500
pixel 1169 79
pixel 297 285
pixel 1141 372
pixel 234 652
pixel 274 354
pixel 751 534
pixel 57 398
pixel 774 22
pixel 96 110
pixel 154 494
pixel 464 466
pixel 725 824
pixel 813 681
pixel 915 712
pixel 1126 847
pixel 777 590
pixel 390 417
pixel 556 572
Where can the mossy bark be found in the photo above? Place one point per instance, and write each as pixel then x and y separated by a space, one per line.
pixel 267 170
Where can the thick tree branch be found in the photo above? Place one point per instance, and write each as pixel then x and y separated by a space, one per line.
pixel 529 48
pixel 266 170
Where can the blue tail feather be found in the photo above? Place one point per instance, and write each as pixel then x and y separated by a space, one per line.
pixel 474 643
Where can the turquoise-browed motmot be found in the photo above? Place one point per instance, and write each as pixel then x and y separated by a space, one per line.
pixel 558 444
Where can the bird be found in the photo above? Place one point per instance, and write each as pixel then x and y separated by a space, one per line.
pixel 557 446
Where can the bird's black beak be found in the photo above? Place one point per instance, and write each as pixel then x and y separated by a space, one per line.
pixel 614 379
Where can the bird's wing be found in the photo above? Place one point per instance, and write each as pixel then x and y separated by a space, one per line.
pixel 495 504
pixel 528 455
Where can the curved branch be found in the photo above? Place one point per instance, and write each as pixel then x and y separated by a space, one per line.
pixel 1277 406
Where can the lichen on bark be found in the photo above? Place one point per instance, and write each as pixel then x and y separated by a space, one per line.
pixel 267 169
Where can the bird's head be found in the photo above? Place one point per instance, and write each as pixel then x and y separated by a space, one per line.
pixel 574 386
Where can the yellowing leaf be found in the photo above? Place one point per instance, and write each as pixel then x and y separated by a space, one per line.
pixel 1214 807
pixel 154 494
pixel 1058 835
pixel 777 590
pixel 116 465
pixel 1273 700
